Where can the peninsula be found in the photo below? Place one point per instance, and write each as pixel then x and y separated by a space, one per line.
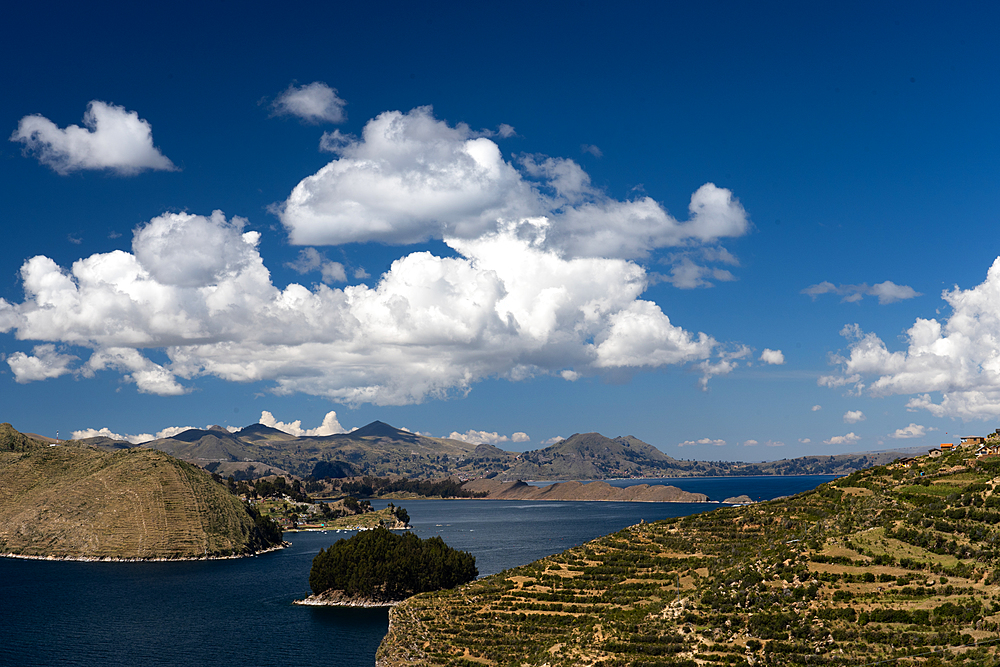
pixel 67 501
pixel 494 490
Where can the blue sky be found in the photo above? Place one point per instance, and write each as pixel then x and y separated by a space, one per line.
pixel 735 232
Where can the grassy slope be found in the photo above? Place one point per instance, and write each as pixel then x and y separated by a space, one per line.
pixel 871 567
pixel 80 502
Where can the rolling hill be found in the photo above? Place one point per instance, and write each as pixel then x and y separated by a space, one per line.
pixel 77 501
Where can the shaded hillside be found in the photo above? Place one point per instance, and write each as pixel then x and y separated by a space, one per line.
pixel 71 501
pixel 376 449
pixel 893 565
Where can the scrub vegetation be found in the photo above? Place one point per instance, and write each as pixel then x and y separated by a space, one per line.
pixel 897 563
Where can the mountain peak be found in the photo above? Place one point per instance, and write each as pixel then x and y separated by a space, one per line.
pixel 379 429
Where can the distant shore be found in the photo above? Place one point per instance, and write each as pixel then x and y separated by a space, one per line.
pixel 111 559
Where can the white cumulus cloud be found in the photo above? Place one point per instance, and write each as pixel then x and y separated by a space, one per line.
pixel 911 431
pixel 314 103
pixel 542 281
pixel 135 439
pixel 703 441
pixel 112 138
pixel 848 439
pixel 957 359
pixel 774 357
pixel 43 363
pixel 854 416
pixel 475 437
pixel 431 326
pixel 330 425
pixel 411 177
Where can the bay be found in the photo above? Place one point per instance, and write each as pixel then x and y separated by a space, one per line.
pixel 240 612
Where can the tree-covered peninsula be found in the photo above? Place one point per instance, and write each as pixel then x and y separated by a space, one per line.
pixel 379 566
pixel 895 566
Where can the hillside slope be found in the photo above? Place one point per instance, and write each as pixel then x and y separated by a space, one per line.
pixel 897 564
pixel 80 502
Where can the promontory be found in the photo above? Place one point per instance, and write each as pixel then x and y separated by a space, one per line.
pixel 78 502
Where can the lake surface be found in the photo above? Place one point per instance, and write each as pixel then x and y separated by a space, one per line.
pixel 240 612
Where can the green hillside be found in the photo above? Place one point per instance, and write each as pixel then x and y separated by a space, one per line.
pixel 72 501
pixel 893 566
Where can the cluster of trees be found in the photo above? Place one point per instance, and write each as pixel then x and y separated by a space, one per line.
pixel 381 565
pixel 263 488
pixel 268 530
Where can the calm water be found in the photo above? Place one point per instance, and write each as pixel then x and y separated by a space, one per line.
pixel 240 612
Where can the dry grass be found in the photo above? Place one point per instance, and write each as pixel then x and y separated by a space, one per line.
pixel 80 502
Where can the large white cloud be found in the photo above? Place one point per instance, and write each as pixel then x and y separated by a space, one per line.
pixel 411 177
pixel 112 138
pixel 958 359
pixel 508 306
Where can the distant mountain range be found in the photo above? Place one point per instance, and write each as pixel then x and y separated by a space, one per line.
pixel 381 450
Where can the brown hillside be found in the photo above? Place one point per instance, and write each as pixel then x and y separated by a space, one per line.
pixel 80 502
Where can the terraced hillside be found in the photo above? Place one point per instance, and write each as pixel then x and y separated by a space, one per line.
pixel 891 566
pixel 81 502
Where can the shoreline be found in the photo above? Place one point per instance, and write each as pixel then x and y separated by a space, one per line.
pixel 112 559
pixel 335 599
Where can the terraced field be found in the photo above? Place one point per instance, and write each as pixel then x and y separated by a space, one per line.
pixel 80 502
pixel 890 566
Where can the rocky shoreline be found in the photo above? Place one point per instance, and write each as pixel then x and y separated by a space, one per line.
pixel 111 559
pixel 340 599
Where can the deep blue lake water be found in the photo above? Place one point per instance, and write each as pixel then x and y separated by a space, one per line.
pixel 240 612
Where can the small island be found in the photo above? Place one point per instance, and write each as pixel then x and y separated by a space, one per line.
pixel 378 568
